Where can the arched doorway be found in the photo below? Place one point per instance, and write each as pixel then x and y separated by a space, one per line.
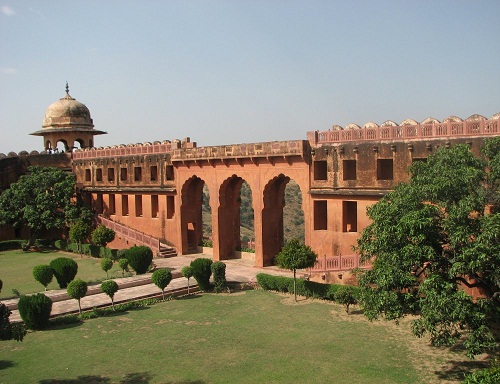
pixel 191 214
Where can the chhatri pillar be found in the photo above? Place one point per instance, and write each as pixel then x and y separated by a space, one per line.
pixel 67 120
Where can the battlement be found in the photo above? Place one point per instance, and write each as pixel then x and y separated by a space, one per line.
pixel 430 128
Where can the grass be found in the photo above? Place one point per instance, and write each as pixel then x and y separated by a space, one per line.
pixel 17 270
pixel 245 337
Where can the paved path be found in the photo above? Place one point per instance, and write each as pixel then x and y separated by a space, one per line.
pixel 136 287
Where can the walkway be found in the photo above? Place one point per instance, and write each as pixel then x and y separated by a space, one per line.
pixel 137 287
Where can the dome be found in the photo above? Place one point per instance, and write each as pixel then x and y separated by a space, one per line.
pixel 67 112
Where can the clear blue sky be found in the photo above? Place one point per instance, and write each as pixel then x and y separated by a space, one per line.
pixel 224 72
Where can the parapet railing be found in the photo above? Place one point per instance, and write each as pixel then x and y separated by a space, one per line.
pixel 138 238
pixel 338 263
pixel 400 132
pixel 140 149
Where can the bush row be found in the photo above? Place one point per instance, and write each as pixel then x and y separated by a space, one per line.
pixel 304 287
pixel 11 244
pixel 87 249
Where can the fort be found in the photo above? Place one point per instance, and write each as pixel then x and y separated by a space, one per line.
pixel 151 193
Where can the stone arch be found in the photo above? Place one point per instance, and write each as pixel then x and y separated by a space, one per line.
pixel 272 218
pixel 191 214
pixel 229 237
pixel 80 142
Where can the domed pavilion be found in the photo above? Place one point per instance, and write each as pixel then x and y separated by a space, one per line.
pixel 67 121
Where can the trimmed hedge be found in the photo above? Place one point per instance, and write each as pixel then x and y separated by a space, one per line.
pixel 304 287
pixel 35 310
pixel 65 270
pixel 88 249
pixel 139 258
pixel 202 272
pixel 7 245
pixel 219 272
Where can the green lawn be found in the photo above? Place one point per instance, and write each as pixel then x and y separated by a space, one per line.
pixel 245 337
pixel 16 270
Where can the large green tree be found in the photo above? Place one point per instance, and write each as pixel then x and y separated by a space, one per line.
pixel 432 241
pixel 41 199
pixel 293 256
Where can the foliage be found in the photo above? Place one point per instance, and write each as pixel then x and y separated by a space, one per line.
pixel 11 244
pixel 139 258
pixel 187 272
pixel 8 330
pixel 110 287
pixel 77 289
pixel 43 274
pixel 484 376
pixel 106 265
pixel 123 263
pixel 65 270
pixel 41 199
pixel 202 272
pixel 346 295
pixel 102 235
pixel 432 237
pixel 161 278
pixel 219 272
pixel 295 255
pixel 79 232
pixel 61 244
pixel 35 310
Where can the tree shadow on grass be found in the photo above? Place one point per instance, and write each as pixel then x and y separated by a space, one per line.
pixel 137 378
pixel 458 369
pixel 4 364
pixel 78 380
pixel 188 297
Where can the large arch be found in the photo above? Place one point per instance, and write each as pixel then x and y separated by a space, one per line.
pixel 191 214
pixel 272 218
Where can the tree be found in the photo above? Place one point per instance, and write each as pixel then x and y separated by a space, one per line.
pixel 293 256
pixel 79 232
pixel 139 258
pixel 106 265
pixel 345 295
pixel 432 238
pixel 43 274
pixel 77 290
pixel 110 287
pixel 39 200
pixel 187 272
pixel 123 263
pixel 161 278
pixel 102 235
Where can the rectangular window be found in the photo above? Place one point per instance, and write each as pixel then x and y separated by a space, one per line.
pixel 320 215
pixel 98 174
pixel 112 208
pixel 384 169
pixel 87 175
pixel 320 170
pixel 137 173
pixel 170 172
pixel 123 174
pixel 349 169
pixel 154 172
pixel 124 205
pixel 138 205
pixel 154 205
pixel 349 216
pixel 111 174
pixel 170 207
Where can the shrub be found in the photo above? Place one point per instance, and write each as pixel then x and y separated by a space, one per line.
pixel 77 289
pixel 123 263
pixel 11 244
pixel 106 265
pixel 8 330
pixel 110 253
pixel 345 296
pixel 161 278
pixel 484 376
pixel 73 247
pixel 65 270
pixel 202 272
pixel 121 253
pixel 139 258
pixel 219 271
pixel 35 310
pixel 109 288
pixel 102 235
pixel 43 274
pixel 187 272
pixel 61 244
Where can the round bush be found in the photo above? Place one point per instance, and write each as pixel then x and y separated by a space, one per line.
pixel 106 264
pixel 161 278
pixel 77 289
pixel 109 288
pixel 102 235
pixel 43 274
pixel 35 310
pixel 123 263
pixel 65 270
pixel 219 271
pixel 202 272
pixel 139 258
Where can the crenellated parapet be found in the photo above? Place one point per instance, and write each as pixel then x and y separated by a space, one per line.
pixel 430 128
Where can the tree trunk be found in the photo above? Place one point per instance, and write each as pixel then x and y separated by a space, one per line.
pixel 294 285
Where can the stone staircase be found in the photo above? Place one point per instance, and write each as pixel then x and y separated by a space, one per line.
pixel 166 251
